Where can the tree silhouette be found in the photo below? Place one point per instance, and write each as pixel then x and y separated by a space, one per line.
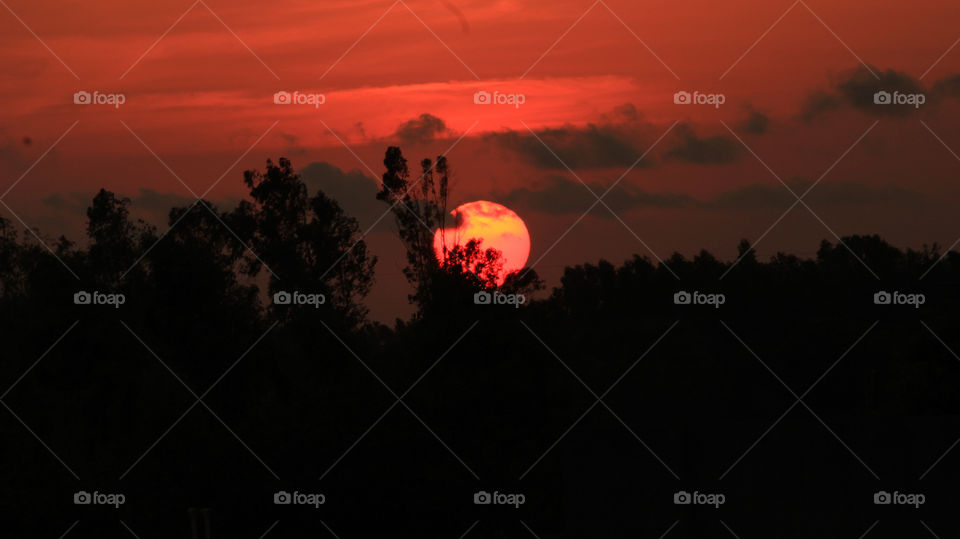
pixel 307 243
pixel 300 399
pixel 420 210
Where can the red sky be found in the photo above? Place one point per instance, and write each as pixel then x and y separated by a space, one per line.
pixel 598 81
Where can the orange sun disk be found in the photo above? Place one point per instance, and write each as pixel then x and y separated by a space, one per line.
pixel 495 226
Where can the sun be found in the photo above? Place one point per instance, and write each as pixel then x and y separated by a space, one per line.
pixel 495 226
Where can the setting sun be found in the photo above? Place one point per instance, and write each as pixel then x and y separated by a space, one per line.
pixel 495 226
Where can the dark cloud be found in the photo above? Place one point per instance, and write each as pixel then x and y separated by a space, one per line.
pixel 293 144
pixel 354 191
pixel 818 103
pixel 580 148
pixel 562 195
pixel 856 89
pixel 360 129
pixel 626 113
pixel 152 206
pixel 688 147
pixel 756 122
pixel 68 202
pixel 835 192
pixel 421 130
pixel 755 196
pixel 617 141
pixel 947 87
pixel 156 202
pixel 66 213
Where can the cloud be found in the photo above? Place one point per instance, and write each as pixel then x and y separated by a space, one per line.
pixel 354 191
pixel 421 130
pixel 75 202
pixel 835 192
pixel 160 203
pixel 151 206
pixel 146 200
pixel 855 89
pixel 818 103
pixel 617 141
pixel 947 87
pixel 559 195
pixel 293 144
pixel 626 113
pixel 688 147
pixel 756 122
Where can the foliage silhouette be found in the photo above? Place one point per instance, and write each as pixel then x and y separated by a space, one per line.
pixel 308 243
pixel 420 211
pixel 299 392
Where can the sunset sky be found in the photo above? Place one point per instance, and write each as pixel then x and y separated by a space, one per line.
pixel 598 81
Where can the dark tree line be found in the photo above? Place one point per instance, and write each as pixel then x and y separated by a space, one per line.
pixel 293 393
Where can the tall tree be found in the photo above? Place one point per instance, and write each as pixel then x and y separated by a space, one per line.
pixel 307 243
pixel 434 269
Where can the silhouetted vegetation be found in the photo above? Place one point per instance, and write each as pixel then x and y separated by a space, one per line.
pixel 200 392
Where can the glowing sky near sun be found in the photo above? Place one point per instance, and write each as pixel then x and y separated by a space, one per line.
pixel 598 84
